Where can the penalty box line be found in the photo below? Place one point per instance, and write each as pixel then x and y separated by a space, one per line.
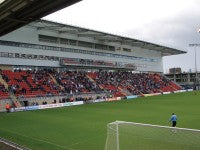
pixel 40 140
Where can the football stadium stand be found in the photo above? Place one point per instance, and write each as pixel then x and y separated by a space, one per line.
pixel 45 60
pixel 50 83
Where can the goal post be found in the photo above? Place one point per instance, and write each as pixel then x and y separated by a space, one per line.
pixel 123 135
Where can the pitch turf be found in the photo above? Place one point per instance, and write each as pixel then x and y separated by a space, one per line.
pixel 84 127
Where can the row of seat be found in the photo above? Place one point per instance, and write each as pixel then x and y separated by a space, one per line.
pixel 50 82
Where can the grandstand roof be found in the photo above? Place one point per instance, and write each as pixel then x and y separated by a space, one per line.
pixel 17 13
pixel 104 37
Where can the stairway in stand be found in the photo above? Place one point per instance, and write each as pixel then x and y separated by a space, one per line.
pixel 11 94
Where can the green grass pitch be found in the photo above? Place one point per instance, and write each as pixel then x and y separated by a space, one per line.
pixel 84 127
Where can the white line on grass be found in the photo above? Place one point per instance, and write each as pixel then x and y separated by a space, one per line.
pixel 36 139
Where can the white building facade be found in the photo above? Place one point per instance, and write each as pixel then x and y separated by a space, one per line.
pixel 49 44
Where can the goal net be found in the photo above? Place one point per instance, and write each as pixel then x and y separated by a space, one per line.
pixel 136 136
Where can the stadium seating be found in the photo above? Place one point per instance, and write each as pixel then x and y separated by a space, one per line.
pixel 133 83
pixel 29 83
pixel 75 82
pixel 3 92
pixel 52 83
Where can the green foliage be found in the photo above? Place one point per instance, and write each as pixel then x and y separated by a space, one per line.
pixel 84 127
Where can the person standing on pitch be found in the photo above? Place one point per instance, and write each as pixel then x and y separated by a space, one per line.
pixel 173 119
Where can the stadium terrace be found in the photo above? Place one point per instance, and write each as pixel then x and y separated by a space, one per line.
pixel 64 63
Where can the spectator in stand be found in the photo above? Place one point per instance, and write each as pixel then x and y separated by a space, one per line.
pixel 135 83
pixel 41 83
pixel 8 107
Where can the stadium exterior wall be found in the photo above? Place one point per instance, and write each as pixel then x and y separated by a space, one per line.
pixel 29 34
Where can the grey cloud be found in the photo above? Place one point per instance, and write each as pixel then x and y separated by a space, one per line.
pixel 177 32
pixel 174 31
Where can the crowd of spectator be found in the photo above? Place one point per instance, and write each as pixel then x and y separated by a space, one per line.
pixel 73 82
pixel 49 82
pixel 135 83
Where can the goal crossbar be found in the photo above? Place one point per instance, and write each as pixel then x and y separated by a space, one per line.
pixel 151 125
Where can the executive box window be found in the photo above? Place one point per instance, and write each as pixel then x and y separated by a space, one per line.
pixel 17 55
pixel 10 55
pixel 35 56
pixel 51 39
pixel 85 44
pixel 126 49
pixel 72 42
pixel 101 46
pixel 45 47
pixel 112 48
pixel 64 41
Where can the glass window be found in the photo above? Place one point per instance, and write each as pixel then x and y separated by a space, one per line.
pixel 46 57
pixel 112 48
pixel 41 57
pixel 3 54
pixel 126 49
pixel 44 47
pixel 23 55
pixel 10 55
pixel 101 46
pixel 45 38
pixel 29 56
pixel 16 55
pixel 72 42
pixel 85 44
pixel 64 41
pixel 35 56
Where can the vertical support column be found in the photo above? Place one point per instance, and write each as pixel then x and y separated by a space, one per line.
pixel 174 71
pixel 195 45
pixel 188 77
pixel 195 55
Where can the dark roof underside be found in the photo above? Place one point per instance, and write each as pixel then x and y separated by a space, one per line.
pixel 17 13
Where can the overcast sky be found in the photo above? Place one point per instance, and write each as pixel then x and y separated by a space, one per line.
pixel 172 23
